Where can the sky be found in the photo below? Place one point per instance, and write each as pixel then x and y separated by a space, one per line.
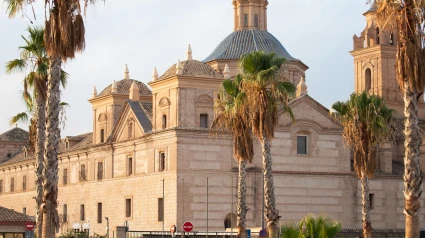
pixel 155 33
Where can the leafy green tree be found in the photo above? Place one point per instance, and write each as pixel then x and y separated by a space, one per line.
pixel 232 115
pixel 64 36
pixel 367 123
pixel 267 96
pixel 33 59
pixel 312 227
pixel 409 18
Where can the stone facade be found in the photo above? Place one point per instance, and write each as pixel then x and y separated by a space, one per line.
pixel 153 152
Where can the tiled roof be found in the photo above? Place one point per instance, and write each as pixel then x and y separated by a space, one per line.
pixel 242 42
pixel 147 107
pixel 86 140
pixel 18 157
pixel 141 115
pixel 15 134
pixel 123 88
pixel 193 68
pixel 12 216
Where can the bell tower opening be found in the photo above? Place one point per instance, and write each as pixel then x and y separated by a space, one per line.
pixel 250 14
pixel 368 79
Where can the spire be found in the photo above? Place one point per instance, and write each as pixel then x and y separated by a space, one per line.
pixel 179 67
pixel 126 72
pixel 226 72
pixel 94 92
pixel 154 74
pixel 302 87
pixel 189 53
pixel 114 87
pixel 134 91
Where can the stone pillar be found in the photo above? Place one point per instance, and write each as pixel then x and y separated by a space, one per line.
pixel 120 232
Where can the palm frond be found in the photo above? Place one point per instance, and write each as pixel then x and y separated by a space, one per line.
pixel 15 66
pixel 20 117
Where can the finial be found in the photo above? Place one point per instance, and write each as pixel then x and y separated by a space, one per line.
pixel 126 72
pixel 134 91
pixel 114 87
pixel 179 67
pixel 154 74
pixel 302 87
pixel 226 72
pixel 189 53
pixel 94 92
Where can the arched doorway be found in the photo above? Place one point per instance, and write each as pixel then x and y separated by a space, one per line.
pixel 230 221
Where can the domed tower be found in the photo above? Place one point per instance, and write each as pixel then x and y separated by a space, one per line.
pixel 184 95
pixel 375 59
pixel 107 105
pixel 250 34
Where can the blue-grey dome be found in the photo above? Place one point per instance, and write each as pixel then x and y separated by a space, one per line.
pixel 242 42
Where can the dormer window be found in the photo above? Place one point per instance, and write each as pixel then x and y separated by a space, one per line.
pixel 204 120
pixel 164 121
pixel 102 136
pixel 130 130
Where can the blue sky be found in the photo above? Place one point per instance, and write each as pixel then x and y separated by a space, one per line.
pixel 155 33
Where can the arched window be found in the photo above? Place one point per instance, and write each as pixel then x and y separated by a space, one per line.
pixel 377 35
pixel 368 79
pixel 130 130
pixel 164 121
pixel 102 136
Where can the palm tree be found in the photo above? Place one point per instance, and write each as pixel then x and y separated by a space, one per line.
pixel 231 115
pixel 33 58
pixel 367 123
pixel 409 19
pixel 267 95
pixel 63 37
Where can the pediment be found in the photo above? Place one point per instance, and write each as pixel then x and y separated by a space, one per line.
pixel 310 113
pixel 132 123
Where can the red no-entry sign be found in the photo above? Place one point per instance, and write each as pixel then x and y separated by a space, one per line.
pixel 29 226
pixel 187 226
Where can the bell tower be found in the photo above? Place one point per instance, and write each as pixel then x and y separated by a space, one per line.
pixel 375 59
pixel 250 14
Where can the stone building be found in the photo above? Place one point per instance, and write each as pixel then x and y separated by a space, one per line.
pixel 151 159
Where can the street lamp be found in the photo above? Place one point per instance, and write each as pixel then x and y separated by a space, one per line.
pixel 81 228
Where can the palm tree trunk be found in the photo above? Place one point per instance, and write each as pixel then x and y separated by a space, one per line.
pixel 50 172
pixel 367 224
pixel 39 153
pixel 412 173
pixel 271 213
pixel 242 207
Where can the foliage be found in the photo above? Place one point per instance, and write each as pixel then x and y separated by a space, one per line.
pixel 312 227
pixel 69 233
pixel 367 122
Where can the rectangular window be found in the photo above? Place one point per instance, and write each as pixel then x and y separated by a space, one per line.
pixel 12 184
pixel 102 136
pixel 160 209
pixel 83 172
pixel 24 211
pixel 130 165
pixel 1 186
pixel 9 155
pixel 161 161
pixel 65 176
pixel 99 213
pixel 204 120
pixel 65 213
pixel 99 170
pixel 256 20
pixel 371 201
pixel 82 212
pixel 24 183
pixel 302 145
pixel 128 208
pixel 245 20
